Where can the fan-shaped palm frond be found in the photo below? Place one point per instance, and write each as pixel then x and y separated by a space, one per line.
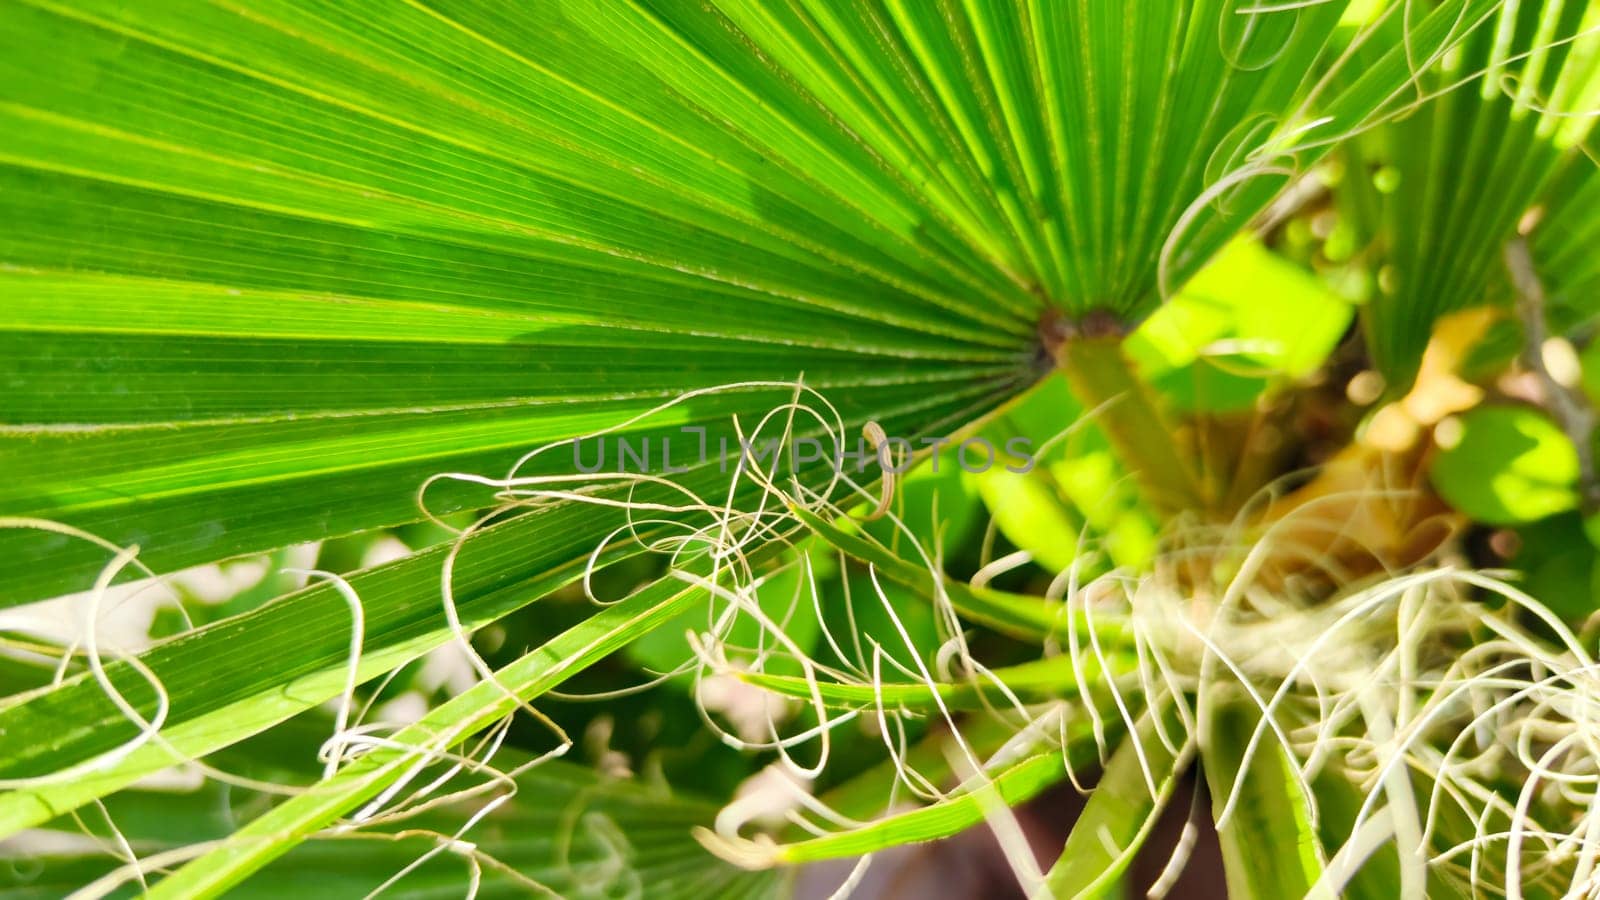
pixel 1505 111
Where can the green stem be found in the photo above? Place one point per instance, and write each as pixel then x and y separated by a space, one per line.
pixel 1103 379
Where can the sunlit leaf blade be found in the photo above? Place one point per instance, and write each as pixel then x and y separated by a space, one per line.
pixel 188 493
pixel 1270 845
pixel 1049 678
pixel 978 797
pixel 1131 793
pixel 1221 313
pixel 585 833
pixel 1535 465
pixel 446 725
pixel 873 792
pixel 1568 229
pixel 1338 803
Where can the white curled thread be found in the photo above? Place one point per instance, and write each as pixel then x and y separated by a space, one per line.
pixel 1335 657
pixel 1524 697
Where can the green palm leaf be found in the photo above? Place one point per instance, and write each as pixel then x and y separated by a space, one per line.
pixel 1508 114
pixel 587 834
pixel 1569 227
